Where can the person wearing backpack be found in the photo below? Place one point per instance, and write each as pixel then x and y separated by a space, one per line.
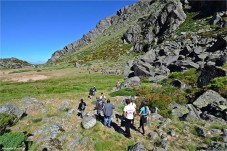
pixel 99 107
pixel 82 107
pixel 144 112
pixel 94 90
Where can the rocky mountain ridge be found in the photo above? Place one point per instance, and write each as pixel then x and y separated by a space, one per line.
pixel 123 19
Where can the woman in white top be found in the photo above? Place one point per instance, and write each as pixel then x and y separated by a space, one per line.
pixel 129 112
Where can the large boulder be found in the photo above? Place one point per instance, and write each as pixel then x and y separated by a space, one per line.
pixel 88 121
pixel 134 81
pixel 137 147
pixel 209 97
pixel 12 108
pixel 220 44
pixel 180 110
pixel 208 73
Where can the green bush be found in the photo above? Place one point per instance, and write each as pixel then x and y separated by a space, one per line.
pixel 5 119
pixel 189 77
pixel 166 113
pixel 124 92
pixel 12 140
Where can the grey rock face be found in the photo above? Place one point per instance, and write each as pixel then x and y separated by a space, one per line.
pixel 88 121
pixel 158 24
pixel 11 108
pixel 209 97
pixel 137 147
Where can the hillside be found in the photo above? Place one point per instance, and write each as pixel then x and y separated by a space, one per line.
pixel 172 54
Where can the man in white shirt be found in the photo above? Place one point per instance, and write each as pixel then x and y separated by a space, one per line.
pixel 129 112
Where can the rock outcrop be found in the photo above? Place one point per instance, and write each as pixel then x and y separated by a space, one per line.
pixel 13 63
pixel 157 25
pixel 184 53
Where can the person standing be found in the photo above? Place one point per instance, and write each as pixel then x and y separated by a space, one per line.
pixel 144 112
pixel 129 112
pixel 94 90
pixel 108 112
pixel 102 97
pixel 82 107
pixel 134 105
pixel 99 107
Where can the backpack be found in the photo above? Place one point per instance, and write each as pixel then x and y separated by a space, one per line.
pixel 82 106
pixel 146 110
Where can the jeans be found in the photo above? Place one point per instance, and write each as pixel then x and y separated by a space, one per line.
pixel 107 120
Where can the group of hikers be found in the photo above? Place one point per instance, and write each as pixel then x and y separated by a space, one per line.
pixel 104 106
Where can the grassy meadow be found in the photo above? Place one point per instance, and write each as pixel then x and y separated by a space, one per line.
pixel 70 83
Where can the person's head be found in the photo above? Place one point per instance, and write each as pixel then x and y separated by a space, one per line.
pixel 127 101
pixel 108 101
pixel 101 93
pixel 143 103
pixel 82 100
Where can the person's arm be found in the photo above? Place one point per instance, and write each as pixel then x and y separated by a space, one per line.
pixel 113 107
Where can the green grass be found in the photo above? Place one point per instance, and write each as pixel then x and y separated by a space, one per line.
pixel 218 126
pixel 192 24
pixel 37 120
pixel 70 85
pixel 219 84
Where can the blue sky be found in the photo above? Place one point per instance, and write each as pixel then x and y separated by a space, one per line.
pixel 33 30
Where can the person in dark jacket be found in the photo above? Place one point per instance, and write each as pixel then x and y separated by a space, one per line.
pixel 108 111
pixel 82 107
